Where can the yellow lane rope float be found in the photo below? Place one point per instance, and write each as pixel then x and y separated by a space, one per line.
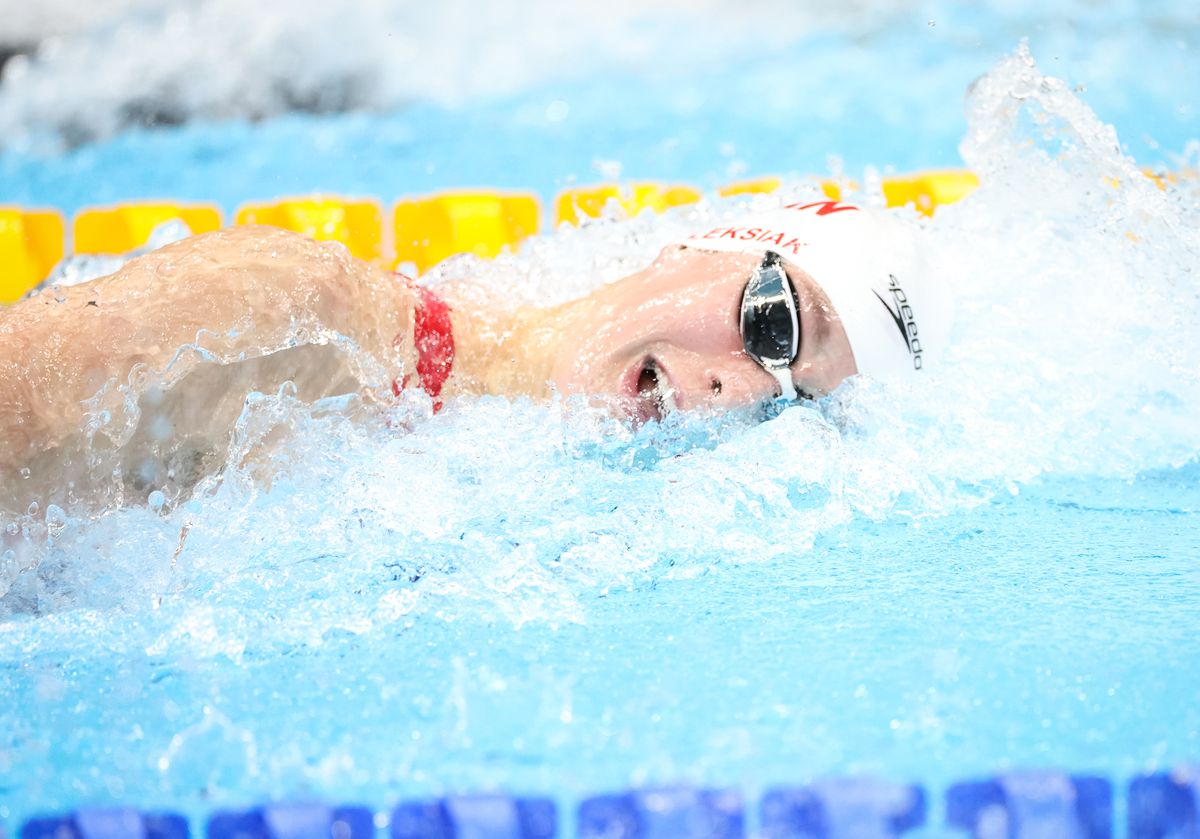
pixel 120 229
pixel 427 230
pixel 357 224
pixel 423 230
pixel 31 243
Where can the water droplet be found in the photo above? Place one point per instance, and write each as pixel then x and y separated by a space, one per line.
pixel 33 508
pixel 56 519
pixel 156 500
pixel 25 473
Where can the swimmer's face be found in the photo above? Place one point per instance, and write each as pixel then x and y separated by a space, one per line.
pixel 667 337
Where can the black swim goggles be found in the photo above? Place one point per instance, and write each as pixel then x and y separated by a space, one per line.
pixel 770 323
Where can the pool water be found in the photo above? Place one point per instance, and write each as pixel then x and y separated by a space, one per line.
pixel 992 568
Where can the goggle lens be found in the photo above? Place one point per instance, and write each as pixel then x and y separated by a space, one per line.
pixel 770 321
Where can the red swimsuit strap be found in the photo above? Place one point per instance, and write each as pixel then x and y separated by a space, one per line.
pixel 433 339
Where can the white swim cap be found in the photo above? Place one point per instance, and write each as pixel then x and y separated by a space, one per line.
pixel 869 266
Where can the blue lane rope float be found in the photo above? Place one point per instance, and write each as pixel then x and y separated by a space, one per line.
pixel 1041 804
pixel 293 821
pixel 663 814
pixel 1017 805
pixel 1165 805
pixel 458 817
pixel 107 823
pixel 842 807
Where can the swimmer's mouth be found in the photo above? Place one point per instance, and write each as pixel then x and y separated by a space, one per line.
pixel 653 395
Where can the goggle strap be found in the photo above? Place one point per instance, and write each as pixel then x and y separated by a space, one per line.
pixel 787 388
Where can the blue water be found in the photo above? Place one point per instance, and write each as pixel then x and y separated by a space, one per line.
pixel 1049 629
pixel 993 568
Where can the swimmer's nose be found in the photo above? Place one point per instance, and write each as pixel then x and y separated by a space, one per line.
pixel 740 386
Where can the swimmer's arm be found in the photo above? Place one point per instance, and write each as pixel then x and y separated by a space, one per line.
pixel 250 290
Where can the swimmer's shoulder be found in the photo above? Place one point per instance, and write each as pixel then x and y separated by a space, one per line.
pixel 248 255
pixel 251 243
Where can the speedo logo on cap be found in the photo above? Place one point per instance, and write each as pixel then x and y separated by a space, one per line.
pixel 902 315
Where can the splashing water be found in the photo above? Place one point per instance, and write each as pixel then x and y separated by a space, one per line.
pixel 530 595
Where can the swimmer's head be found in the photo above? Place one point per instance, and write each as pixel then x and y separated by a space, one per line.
pixel 805 295
pixel 866 263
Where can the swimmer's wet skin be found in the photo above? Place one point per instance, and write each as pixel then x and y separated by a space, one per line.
pixel 246 292
pixel 796 299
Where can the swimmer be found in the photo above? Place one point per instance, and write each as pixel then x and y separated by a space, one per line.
pixel 787 303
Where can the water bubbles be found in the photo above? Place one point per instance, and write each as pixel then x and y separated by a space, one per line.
pixel 32 509
pixel 155 500
pixel 8 570
pixel 214 750
pixel 25 472
pixel 56 520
